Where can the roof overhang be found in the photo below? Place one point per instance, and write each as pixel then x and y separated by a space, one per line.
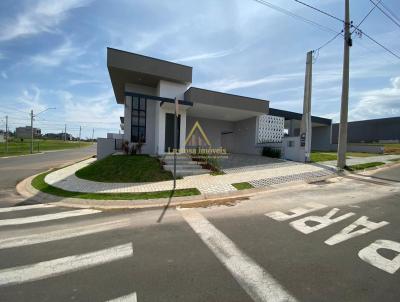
pixel 125 67
pixel 289 115
pixel 220 113
pixel 226 101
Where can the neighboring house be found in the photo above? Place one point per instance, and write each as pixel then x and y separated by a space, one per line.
pixel 26 132
pixel 370 131
pixel 147 88
pixel 60 136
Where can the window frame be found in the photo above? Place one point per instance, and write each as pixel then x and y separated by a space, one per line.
pixel 139 113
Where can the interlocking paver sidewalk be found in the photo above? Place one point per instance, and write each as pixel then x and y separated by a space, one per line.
pixel 65 179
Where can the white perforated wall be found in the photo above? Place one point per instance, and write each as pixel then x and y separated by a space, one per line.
pixel 270 129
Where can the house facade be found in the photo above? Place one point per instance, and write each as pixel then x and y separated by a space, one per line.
pixel 147 88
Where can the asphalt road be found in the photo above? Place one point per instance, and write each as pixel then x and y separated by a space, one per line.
pixel 232 253
pixel 15 169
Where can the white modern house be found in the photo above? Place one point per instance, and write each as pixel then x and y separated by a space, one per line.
pixel 147 87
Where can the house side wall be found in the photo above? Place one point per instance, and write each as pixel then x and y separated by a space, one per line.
pixel 245 136
pixel 321 138
pixel 212 128
pixel 370 130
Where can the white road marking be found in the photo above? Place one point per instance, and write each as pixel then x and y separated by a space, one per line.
pixel 47 217
pixel 371 256
pixel 64 265
pixel 27 207
pixel 347 233
pixel 128 298
pixel 62 234
pixel 280 216
pixel 322 221
pixel 257 282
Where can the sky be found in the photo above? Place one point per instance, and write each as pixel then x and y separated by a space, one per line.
pixel 53 54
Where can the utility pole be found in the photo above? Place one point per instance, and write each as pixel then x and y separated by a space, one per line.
pixel 65 132
pixel 93 134
pixel 6 133
pixel 344 108
pixel 31 131
pixel 306 126
pixel 80 129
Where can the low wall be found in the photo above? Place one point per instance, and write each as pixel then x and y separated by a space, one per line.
pixel 105 147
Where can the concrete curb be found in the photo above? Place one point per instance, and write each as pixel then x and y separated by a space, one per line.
pixel 25 189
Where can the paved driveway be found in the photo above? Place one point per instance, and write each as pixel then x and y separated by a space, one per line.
pixel 244 162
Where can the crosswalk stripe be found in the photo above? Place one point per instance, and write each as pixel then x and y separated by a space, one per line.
pixel 64 265
pixel 62 234
pixel 257 282
pixel 27 207
pixel 128 298
pixel 47 217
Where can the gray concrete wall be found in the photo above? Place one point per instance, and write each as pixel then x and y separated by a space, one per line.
pixel 245 137
pixel 150 146
pixel 370 130
pixel 105 147
pixel 212 128
pixel 321 138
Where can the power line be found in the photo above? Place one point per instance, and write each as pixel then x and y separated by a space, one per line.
pixel 329 41
pixel 384 47
pixel 390 12
pixel 366 16
pixel 390 17
pixel 295 16
pixel 319 10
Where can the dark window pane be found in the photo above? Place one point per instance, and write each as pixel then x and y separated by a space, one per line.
pixel 142 121
pixel 135 120
pixel 135 113
pixel 134 134
pixel 142 104
pixel 135 102
pixel 142 134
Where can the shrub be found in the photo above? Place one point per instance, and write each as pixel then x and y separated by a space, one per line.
pixel 271 152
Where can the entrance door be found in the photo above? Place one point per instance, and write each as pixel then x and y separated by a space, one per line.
pixel 169 131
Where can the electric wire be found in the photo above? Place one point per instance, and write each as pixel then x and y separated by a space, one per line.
pixel 320 10
pixel 384 47
pixel 295 16
pixel 390 17
pixel 366 16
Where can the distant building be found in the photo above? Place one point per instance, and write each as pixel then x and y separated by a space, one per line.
pixel 26 132
pixel 60 136
pixel 383 130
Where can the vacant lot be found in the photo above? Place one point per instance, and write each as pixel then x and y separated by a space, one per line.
pixel 18 147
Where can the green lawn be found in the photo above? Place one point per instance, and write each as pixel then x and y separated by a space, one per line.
pixel 16 147
pixel 39 184
pixel 125 168
pixel 242 185
pixel 317 156
pixel 364 166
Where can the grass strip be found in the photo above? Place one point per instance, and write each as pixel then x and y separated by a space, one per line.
pixel 242 185
pixel 39 184
pixel 364 166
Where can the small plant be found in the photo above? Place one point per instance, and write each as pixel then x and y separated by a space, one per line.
pixel 271 152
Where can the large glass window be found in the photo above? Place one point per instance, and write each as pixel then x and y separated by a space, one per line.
pixel 138 133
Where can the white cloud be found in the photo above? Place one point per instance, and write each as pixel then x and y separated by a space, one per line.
pixel 58 55
pixel 232 84
pixel 4 75
pixel 75 82
pixel 31 99
pixel 377 103
pixel 210 55
pixel 41 18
